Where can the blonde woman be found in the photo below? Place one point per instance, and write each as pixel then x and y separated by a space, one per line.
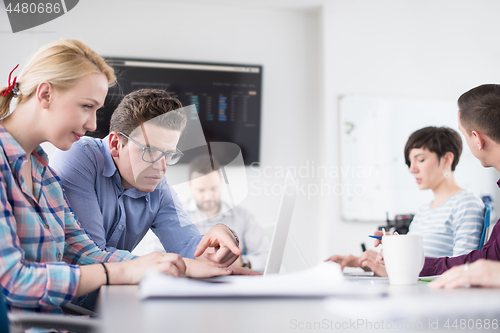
pixel 46 257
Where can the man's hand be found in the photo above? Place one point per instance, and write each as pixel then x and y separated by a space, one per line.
pixel 481 273
pixel 223 241
pixel 238 262
pixel 243 271
pixel 205 269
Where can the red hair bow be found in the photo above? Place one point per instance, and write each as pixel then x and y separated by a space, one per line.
pixel 12 86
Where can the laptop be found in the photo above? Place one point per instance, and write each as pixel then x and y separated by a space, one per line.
pixel 280 233
pixel 282 227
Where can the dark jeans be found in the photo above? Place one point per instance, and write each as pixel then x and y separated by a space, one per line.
pixel 87 301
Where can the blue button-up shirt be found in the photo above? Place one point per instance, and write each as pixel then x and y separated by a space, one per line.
pixel 114 217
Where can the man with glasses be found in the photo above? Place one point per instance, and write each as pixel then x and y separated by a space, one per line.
pixel 117 189
pixel 151 155
pixel 207 208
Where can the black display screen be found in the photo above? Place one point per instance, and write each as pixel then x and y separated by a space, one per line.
pixel 227 97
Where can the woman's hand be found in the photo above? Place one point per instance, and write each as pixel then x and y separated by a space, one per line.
pixel 128 272
pixel 134 270
pixel 373 261
pixel 380 233
pixel 344 261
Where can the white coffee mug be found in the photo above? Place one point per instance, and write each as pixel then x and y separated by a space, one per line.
pixel 403 258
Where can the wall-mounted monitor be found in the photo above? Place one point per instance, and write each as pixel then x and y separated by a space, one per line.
pixel 227 97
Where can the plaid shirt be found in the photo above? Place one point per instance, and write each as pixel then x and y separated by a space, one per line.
pixel 41 241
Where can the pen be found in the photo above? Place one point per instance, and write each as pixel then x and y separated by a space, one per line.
pixel 376 237
pixel 380 238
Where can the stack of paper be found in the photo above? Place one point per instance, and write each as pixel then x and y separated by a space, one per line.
pixel 323 280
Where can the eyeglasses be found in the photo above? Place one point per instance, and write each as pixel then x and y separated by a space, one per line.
pixel 151 155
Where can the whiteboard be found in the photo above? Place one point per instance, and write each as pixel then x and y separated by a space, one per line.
pixel 374 177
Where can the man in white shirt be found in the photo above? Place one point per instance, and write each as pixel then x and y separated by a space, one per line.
pixel 206 209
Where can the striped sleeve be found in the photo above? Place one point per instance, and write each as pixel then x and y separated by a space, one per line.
pixel 468 217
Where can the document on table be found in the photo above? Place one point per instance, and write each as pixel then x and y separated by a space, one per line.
pixel 428 278
pixel 323 280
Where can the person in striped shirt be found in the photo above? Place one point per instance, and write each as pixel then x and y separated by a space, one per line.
pixel 46 257
pixel 452 223
pixel 479 122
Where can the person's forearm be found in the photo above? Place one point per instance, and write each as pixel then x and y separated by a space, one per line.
pixel 190 265
pixel 437 266
pixel 491 251
pixel 93 276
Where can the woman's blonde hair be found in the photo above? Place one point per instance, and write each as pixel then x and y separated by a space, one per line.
pixel 60 63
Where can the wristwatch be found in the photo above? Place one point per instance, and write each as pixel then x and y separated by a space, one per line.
pixel 235 236
pixel 233 232
pixel 246 262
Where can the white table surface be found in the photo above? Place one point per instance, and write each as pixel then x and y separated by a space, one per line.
pixel 406 308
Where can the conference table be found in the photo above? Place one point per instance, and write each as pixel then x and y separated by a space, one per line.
pixel 414 308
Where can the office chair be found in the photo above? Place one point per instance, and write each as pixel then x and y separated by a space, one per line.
pixel 4 321
pixel 486 225
pixel 19 322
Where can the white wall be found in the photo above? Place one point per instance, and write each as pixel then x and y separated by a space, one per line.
pixel 284 41
pixel 416 49
pixel 312 52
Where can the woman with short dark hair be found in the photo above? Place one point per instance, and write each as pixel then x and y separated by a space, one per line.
pixel 452 223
